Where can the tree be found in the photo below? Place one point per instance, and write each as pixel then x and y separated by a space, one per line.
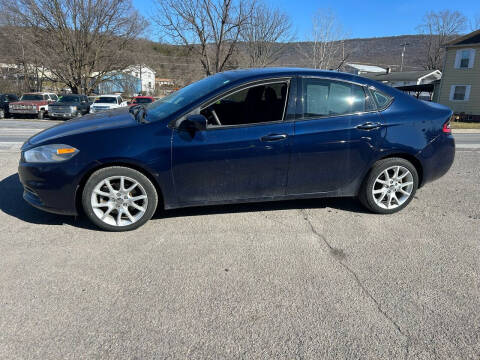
pixel 265 35
pixel 210 29
pixel 327 41
pixel 77 41
pixel 438 28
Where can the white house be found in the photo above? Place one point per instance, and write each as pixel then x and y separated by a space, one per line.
pixel 146 76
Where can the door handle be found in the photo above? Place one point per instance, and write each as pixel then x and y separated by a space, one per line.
pixel 273 137
pixel 369 126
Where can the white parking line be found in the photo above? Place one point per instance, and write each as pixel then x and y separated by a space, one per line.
pixel 10 146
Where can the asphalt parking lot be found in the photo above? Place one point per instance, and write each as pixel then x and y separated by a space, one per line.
pixel 316 279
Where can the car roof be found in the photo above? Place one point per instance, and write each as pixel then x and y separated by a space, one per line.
pixel 107 95
pixel 246 75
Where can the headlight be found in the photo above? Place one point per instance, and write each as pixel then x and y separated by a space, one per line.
pixel 50 153
pixel 73 108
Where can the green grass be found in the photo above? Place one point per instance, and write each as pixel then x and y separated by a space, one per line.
pixel 465 125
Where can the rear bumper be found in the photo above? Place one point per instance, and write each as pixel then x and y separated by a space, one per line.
pixel 437 157
pixel 49 187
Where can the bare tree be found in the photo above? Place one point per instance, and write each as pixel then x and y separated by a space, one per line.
pixel 266 35
pixel 438 28
pixel 328 36
pixel 77 41
pixel 475 23
pixel 209 28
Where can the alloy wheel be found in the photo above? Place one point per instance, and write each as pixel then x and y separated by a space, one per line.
pixel 119 201
pixel 393 187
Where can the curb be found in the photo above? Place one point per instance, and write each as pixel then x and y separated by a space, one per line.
pixel 466 131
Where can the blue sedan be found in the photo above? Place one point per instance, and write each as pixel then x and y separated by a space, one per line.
pixel 241 136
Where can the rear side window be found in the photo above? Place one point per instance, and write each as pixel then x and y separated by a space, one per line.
pixel 324 98
pixel 381 99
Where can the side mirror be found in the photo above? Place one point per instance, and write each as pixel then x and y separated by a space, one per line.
pixel 194 123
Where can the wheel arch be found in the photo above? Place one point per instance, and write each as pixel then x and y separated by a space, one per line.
pixel 86 176
pixel 411 158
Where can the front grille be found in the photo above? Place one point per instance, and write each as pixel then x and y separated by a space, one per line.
pixel 60 109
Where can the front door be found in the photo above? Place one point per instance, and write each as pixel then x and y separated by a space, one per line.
pixel 244 152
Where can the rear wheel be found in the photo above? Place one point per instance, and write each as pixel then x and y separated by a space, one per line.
pixel 119 198
pixel 390 186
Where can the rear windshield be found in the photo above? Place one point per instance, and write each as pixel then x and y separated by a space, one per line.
pixel 107 100
pixel 142 101
pixel 35 97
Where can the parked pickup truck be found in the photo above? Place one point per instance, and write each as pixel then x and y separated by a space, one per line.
pixel 107 102
pixel 69 106
pixel 33 104
pixel 5 100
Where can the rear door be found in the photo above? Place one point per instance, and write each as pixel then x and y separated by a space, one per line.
pixel 244 152
pixel 336 137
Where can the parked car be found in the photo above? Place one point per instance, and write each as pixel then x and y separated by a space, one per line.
pixel 107 102
pixel 33 104
pixel 242 136
pixel 141 100
pixel 92 98
pixel 69 106
pixel 5 100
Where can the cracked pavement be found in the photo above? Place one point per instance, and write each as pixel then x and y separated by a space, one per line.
pixel 310 279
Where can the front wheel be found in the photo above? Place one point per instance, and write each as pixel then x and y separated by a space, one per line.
pixel 119 198
pixel 41 114
pixel 390 186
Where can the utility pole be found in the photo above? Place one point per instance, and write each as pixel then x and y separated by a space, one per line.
pixel 403 54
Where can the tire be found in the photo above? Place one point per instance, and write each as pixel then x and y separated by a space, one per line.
pixel 41 114
pixel 110 207
pixel 383 202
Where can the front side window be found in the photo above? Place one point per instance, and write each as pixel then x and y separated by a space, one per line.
pixel 253 105
pixel 324 98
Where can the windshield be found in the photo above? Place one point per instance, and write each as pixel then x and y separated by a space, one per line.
pixel 35 97
pixel 188 95
pixel 69 98
pixel 142 100
pixel 106 100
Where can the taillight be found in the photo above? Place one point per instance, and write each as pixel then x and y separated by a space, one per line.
pixel 446 127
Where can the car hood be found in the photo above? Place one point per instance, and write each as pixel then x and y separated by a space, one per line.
pixel 94 122
pixel 65 104
pixel 105 104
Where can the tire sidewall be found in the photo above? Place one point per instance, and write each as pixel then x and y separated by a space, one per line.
pixel 104 173
pixel 367 196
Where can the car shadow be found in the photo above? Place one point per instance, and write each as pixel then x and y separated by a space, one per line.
pixel 12 203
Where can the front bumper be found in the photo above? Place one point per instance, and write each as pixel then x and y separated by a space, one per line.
pixel 50 187
pixel 63 115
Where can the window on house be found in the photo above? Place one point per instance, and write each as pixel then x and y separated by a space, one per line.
pixel 460 92
pixel 464 59
pixel 257 104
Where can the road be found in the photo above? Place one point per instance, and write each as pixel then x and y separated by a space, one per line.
pixel 316 279
pixel 14 132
